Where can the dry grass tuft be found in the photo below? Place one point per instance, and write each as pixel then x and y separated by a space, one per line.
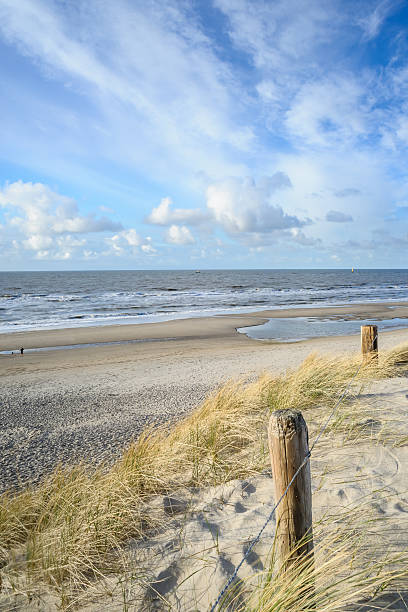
pixel 344 569
pixel 68 530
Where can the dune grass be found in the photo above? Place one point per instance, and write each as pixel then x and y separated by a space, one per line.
pixel 68 531
pixel 343 572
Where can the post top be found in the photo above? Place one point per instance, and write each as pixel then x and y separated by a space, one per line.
pixel 286 422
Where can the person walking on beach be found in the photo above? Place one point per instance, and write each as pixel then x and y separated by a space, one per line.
pixel 21 350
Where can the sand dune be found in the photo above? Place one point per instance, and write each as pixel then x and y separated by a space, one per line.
pixel 208 531
pixel 88 403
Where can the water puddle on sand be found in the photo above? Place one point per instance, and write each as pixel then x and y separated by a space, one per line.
pixel 301 328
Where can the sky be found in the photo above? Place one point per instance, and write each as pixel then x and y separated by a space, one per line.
pixel 151 134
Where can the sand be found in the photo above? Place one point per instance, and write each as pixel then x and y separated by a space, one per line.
pixel 206 533
pixel 203 328
pixel 185 566
pixel 88 403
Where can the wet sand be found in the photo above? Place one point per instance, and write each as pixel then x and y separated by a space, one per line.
pixel 201 328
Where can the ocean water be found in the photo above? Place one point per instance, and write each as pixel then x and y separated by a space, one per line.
pixel 35 300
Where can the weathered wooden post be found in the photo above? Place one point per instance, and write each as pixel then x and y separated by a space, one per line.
pixel 288 446
pixel 369 342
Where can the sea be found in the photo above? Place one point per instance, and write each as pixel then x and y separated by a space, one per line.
pixel 48 300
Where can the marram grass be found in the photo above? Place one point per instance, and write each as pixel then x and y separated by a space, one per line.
pixel 343 572
pixel 68 531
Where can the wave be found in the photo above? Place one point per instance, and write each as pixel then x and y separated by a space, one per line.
pixel 76 299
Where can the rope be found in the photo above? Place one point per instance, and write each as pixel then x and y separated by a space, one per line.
pixel 305 460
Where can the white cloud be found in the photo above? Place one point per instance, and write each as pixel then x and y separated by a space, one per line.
pixel 307 91
pixel 50 225
pixel 164 215
pixel 38 242
pixel 329 111
pixel 45 212
pixel 148 249
pixel 150 92
pixel 329 174
pixel 130 239
pixel 281 34
pixel 240 206
pixel 143 69
pixel 373 20
pixel 43 255
pixel 180 235
pixel 300 238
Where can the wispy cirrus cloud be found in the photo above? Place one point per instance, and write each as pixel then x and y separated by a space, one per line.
pixel 155 72
pixel 140 100
pixel 373 19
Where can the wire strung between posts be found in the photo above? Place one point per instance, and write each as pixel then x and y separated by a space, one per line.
pixel 305 460
pixel 250 547
pixel 342 396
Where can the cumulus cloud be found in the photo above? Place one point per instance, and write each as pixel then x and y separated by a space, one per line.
pixel 38 242
pixel 312 94
pixel 300 238
pixel 148 249
pixel 42 212
pixel 130 238
pixel 336 216
pixel 180 235
pixel 164 215
pixel 51 226
pixel 240 206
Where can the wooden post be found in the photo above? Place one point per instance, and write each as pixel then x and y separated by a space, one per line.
pixel 288 446
pixel 369 342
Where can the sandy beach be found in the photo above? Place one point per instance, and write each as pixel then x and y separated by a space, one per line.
pixel 86 404
pixel 60 406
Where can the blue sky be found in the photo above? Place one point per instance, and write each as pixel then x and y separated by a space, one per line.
pixel 203 134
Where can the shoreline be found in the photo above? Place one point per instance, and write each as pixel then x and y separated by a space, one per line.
pixel 65 406
pixel 197 328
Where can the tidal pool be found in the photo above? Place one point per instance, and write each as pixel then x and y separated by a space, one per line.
pixel 301 328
